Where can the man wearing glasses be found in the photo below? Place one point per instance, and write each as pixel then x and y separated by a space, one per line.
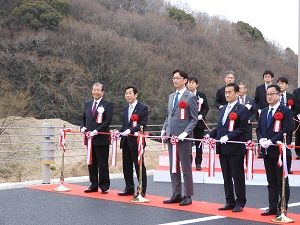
pixel 274 121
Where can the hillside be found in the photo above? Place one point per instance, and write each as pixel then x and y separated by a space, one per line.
pixel 47 69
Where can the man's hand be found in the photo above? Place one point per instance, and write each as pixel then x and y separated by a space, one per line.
pixel 267 143
pixel 200 117
pixel 126 132
pixel 83 129
pixel 182 136
pixel 93 133
pixel 298 116
pixel 262 140
pixel 223 139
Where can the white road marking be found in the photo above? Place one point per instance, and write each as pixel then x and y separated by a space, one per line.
pixel 195 220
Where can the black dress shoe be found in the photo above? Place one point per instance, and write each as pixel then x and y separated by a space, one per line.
pixel 137 194
pixel 226 207
pixel 290 172
pixel 269 212
pixel 90 190
pixel 198 167
pixel 173 199
pixel 126 193
pixel 187 200
pixel 298 157
pixel 237 208
pixel 104 191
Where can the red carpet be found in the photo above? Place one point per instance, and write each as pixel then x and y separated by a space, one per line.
pixel 250 214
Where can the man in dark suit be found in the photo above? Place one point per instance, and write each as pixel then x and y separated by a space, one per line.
pixel 220 95
pixel 288 100
pixel 269 131
pixel 247 101
pixel 296 93
pixel 181 120
pixel 135 115
pixel 260 94
pixel 96 118
pixel 202 111
pixel 232 125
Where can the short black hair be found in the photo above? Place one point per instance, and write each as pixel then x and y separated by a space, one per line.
pixel 283 80
pixel 235 87
pixel 135 91
pixel 193 79
pixel 181 73
pixel 268 72
pixel 275 86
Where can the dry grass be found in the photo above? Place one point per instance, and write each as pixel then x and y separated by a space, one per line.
pixel 14 170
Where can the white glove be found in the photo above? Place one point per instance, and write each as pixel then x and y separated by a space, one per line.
pixel 248 106
pixel 267 143
pixel 126 132
pixel 220 107
pixel 182 136
pixel 262 140
pixel 298 116
pixel 93 133
pixel 259 111
pixel 162 133
pixel 200 117
pixel 207 136
pixel 83 129
pixel 223 139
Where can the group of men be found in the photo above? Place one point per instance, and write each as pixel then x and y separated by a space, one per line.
pixel 272 106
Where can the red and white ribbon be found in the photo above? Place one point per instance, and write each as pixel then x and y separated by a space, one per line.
pixel 250 146
pixel 99 118
pixel 89 148
pixel 231 125
pixel 282 154
pixel 140 148
pixel 174 142
pixel 277 125
pixel 200 102
pixel 114 144
pixel 62 138
pixel 211 157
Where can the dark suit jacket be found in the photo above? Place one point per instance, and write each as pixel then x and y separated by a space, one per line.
pixel 260 97
pixel 252 111
pixel 90 122
pixel 142 112
pixel 296 93
pixel 220 97
pixel 240 127
pixel 204 108
pixel 262 131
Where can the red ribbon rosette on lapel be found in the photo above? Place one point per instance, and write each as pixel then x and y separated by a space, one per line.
pixel 277 125
pixel 232 117
pixel 182 105
pixel 290 103
pixel 134 118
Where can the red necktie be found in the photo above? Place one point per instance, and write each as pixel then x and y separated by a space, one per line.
pixel 94 109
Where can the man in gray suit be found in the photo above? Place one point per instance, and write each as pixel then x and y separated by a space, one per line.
pixel 181 120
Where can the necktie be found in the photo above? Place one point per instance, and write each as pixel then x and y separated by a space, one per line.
pixel 130 110
pixel 269 118
pixel 94 109
pixel 282 99
pixel 176 100
pixel 243 100
pixel 227 110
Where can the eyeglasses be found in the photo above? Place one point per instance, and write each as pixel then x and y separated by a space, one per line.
pixel 271 94
pixel 177 78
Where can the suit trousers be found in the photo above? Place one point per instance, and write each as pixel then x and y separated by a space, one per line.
pixel 274 177
pixel 99 165
pixel 233 168
pixel 130 158
pixel 297 139
pixel 184 157
pixel 198 134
